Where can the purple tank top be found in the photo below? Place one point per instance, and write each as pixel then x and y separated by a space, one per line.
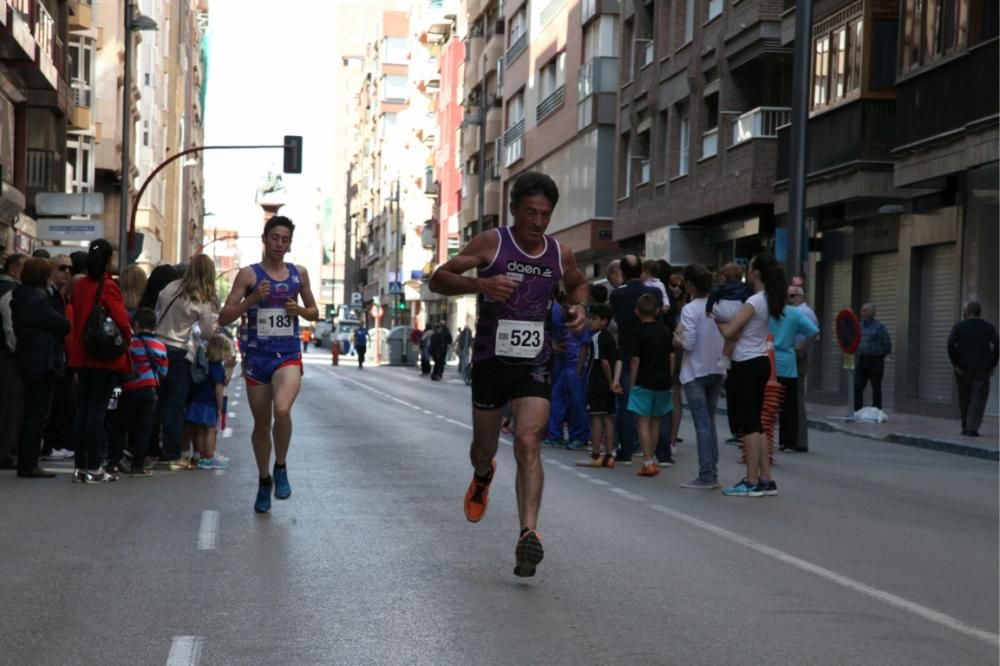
pixel 269 328
pixel 518 330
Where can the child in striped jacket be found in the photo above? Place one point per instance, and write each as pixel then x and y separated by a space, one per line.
pixel 133 420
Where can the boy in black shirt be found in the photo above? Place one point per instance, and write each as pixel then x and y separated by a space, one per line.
pixel 605 369
pixel 650 397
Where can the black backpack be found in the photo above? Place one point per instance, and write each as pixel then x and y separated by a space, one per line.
pixel 102 338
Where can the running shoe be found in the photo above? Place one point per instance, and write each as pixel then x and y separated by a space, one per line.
pixel 263 503
pixel 742 489
pixel 282 489
pixel 213 463
pixel 79 476
pixel 649 469
pixel 768 488
pixel 98 476
pixel 597 461
pixel 576 445
pixel 528 553
pixel 477 497
pixel 699 484
pixel 553 442
pixel 609 461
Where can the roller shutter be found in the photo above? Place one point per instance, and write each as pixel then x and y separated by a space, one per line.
pixel 939 311
pixel 879 286
pixel 836 297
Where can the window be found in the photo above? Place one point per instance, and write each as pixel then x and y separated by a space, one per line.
pixel 933 29
pixel 395 51
pixel 684 144
pixel 714 8
pixel 689 21
pixel 642 157
pixel 552 76
pixel 837 66
pixel 81 59
pixel 710 137
pixel 600 38
pixel 394 88
pixel 515 109
pixel 518 26
pixel 145 132
pixel 79 165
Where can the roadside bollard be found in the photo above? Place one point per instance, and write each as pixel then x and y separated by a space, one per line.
pixel 335 352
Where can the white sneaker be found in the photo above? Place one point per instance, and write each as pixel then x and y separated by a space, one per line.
pixel 59 454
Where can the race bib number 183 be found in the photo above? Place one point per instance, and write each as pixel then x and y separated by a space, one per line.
pixel 274 323
pixel 519 339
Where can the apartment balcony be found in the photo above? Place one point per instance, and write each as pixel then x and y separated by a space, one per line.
pixel 552 103
pixel 434 26
pixel 754 32
pixel 80 111
pixel 493 51
pixel 513 143
pixel 492 202
pixel 597 76
pixel 854 136
pixel 45 171
pixel 17 41
pixel 427 75
pixel 519 46
pixel 428 238
pixel 591 9
pixel 470 140
pixel 80 15
pixel 469 215
pixel 760 123
pixel 494 123
pixel 475 7
pixel 926 100
pixel 473 61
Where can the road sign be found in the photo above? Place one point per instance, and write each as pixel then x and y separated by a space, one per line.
pixel 376 311
pixel 59 203
pixel 395 288
pixel 848 331
pixel 69 229
pixel 356 298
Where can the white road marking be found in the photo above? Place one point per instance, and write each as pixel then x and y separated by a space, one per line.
pixel 582 475
pixel 600 482
pixel 185 651
pixel 227 433
pixel 208 533
pixel 233 403
pixel 231 415
pixel 219 472
pixel 851 584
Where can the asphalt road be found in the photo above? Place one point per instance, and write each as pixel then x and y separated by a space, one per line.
pixel 873 553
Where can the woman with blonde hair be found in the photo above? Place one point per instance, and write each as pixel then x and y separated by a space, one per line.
pixel 182 303
pixel 133 284
pixel 208 400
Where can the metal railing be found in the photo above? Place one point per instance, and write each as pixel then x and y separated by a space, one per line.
pixel 44 28
pixel 516 49
pixel 514 151
pixel 41 169
pixel 514 132
pixel 760 123
pixel 81 93
pixel 550 104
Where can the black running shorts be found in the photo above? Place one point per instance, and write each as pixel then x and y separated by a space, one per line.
pixel 495 383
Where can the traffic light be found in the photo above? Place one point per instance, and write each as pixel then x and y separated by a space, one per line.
pixel 401 305
pixel 293 154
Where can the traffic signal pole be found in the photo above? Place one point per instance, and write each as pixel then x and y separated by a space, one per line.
pixel 798 134
pixel 293 164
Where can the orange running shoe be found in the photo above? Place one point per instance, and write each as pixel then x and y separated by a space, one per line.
pixel 595 461
pixel 528 553
pixel 477 497
pixel 649 470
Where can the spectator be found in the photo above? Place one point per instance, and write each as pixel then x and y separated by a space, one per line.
pixel 463 347
pixel 204 412
pixel 361 344
pixel 425 351
pixel 974 350
pixel 569 398
pixel 604 368
pixel 161 276
pixel 792 332
pixel 132 422
pixel 96 378
pixel 133 285
pixel 651 278
pixel 623 302
pixel 440 344
pixel 40 357
pixel 751 370
pixel 701 377
pixel 614 274
pixel 650 398
pixel 57 443
pixel 679 297
pixel 12 405
pixel 183 302
pixel 875 346
pixel 797 297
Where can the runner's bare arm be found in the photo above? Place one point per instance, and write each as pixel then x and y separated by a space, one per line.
pixel 577 290
pixel 238 301
pixel 308 310
pixel 448 278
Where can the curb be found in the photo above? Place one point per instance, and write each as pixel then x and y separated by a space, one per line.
pixel 967 450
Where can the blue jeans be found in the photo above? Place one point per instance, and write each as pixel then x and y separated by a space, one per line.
pixel 173 396
pixel 628 438
pixel 93 393
pixel 702 396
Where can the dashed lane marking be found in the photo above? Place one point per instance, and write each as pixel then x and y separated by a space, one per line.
pixel 208 533
pixel 832 576
pixel 185 651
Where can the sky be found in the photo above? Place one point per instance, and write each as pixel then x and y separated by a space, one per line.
pixel 269 74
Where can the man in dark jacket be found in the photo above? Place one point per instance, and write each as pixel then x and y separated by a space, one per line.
pixel 12 405
pixel 440 344
pixel 40 356
pixel 57 444
pixel 974 352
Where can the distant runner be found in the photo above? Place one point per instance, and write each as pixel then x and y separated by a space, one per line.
pixel 519 270
pixel 268 293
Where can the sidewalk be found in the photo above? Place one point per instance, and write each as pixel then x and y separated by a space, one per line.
pixel 926 432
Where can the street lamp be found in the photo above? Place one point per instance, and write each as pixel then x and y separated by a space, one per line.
pixel 133 23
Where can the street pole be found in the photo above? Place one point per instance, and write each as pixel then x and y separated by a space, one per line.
pixel 799 136
pixel 481 212
pixel 123 212
pixel 399 259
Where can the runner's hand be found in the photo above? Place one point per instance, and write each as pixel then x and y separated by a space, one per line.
pixel 497 287
pixel 262 291
pixel 292 307
pixel 577 318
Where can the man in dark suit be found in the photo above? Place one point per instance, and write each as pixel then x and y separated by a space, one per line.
pixel 974 351
pixel 58 442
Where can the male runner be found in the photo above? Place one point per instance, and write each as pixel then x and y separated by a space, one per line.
pixel 267 293
pixel 519 269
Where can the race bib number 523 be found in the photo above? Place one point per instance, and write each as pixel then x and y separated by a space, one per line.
pixel 274 323
pixel 519 339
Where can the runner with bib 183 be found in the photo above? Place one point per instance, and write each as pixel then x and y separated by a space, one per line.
pixel 268 294
pixel 519 269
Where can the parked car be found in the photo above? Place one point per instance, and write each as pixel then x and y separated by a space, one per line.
pixel 321 335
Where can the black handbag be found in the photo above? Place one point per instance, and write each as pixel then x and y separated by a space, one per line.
pixel 102 338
